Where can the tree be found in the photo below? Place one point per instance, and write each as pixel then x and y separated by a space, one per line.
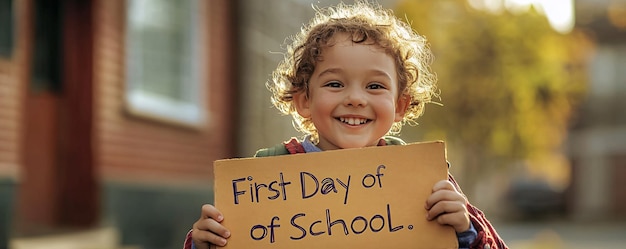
pixel 509 85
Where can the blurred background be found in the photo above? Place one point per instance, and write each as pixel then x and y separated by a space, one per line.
pixel 112 112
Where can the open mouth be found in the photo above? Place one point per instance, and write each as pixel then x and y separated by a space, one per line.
pixel 353 121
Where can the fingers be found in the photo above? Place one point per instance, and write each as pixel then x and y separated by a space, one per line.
pixel 444 191
pixel 458 220
pixel 208 228
pixel 443 185
pixel 210 220
pixel 447 206
pixel 209 211
pixel 212 226
pixel 203 238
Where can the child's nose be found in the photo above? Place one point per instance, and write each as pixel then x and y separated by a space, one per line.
pixel 355 98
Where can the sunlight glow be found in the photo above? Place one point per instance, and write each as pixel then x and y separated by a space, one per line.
pixel 560 13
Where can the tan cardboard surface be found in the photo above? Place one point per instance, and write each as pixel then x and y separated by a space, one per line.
pixel 353 198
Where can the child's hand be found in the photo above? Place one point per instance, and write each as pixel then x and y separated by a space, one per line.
pixel 447 206
pixel 208 230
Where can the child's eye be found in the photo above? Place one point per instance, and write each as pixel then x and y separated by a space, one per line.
pixel 376 85
pixel 333 84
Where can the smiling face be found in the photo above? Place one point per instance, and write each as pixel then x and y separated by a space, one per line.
pixel 352 95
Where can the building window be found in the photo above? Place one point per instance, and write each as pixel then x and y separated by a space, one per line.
pixel 6 28
pixel 164 61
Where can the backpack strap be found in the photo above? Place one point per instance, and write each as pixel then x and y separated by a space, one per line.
pixel 278 149
pixel 292 146
pixel 389 140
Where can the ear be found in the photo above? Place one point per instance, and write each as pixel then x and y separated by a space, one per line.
pixel 402 105
pixel 301 102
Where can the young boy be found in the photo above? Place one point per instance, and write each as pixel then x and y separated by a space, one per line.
pixel 353 75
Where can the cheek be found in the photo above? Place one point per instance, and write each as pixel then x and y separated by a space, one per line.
pixel 388 105
pixel 388 109
pixel 321 106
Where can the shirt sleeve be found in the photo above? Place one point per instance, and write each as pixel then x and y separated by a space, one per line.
pixel 188 241
pixel 467 238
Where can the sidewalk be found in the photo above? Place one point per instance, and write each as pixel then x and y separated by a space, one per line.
pixel 102 238
pixel 546 235
pixel 556 235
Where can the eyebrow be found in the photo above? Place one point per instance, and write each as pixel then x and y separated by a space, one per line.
pixel 373 72
pixel 329 70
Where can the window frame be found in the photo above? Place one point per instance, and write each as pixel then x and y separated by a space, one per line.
pixel 152 106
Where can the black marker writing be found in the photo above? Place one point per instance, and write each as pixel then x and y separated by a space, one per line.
pixel 272 191
pixel 327 186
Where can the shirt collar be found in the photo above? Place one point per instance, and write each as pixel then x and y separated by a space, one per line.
pixel 309 146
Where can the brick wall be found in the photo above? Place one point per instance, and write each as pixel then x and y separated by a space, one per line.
pixel 9 117
pixel 133 148
pixel 156 175
pixel 12 89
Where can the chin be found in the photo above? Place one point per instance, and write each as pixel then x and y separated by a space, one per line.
pixel 353 145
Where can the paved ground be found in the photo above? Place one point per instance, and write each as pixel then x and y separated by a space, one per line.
pixel 101 238
pixel 555 235
pixel 545 235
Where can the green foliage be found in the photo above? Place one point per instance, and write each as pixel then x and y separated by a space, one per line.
pixel 508 82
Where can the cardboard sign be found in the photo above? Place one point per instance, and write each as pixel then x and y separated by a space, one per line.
pixel 352 198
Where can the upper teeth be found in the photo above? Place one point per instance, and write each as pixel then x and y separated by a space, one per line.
pixel 353 121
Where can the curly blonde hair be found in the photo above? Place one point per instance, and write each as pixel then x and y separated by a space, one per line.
pixel 364 22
